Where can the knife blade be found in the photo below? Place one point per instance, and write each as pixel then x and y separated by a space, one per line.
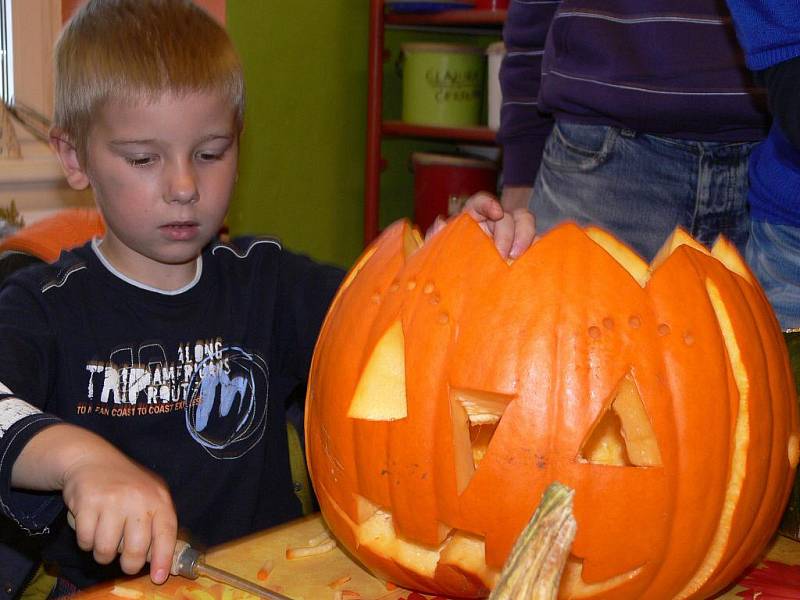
pixel 190 563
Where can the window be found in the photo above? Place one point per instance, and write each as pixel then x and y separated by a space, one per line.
pixel 34 182
pixel 6 52
pixel 34 27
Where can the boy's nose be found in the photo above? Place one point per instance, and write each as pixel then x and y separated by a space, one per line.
pixel 182 186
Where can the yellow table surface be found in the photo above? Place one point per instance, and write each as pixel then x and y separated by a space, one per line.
pixel 308 578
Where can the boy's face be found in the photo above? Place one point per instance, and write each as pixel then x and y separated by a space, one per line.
pixel 162 175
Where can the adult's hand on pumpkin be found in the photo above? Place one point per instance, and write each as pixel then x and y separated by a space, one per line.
pixel 513 231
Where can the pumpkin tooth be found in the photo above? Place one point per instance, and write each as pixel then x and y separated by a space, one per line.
pixel 412 241
pixel 627 258
pixel 467 552
pixel 379 535
pixel 679 237
pixel 724 251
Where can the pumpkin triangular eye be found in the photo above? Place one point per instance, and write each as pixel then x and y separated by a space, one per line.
pixel 623 435
pixel 475 415
pixel 381 392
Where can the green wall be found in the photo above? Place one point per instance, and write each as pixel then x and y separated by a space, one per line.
pixel 302 152
pixel 302 162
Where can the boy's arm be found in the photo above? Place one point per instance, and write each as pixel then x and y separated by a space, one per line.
pixel 112 498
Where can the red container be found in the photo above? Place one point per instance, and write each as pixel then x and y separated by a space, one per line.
pixel 442 183
pixel 491 4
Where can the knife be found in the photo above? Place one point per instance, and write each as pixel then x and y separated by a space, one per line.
pixel 190 563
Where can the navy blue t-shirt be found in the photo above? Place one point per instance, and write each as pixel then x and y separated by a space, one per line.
pixel 192 384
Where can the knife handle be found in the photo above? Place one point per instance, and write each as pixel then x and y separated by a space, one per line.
pixel 184 557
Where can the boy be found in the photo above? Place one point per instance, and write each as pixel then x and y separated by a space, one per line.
pixel 144 375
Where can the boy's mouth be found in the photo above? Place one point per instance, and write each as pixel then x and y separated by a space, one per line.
pixel 180 230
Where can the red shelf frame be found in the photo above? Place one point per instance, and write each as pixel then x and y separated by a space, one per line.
pixel 467 134
pixel 376 127
pixel 449 17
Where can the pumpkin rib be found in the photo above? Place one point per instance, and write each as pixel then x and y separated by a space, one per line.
pixel 781 426
pixel 741 442
pixel 690 531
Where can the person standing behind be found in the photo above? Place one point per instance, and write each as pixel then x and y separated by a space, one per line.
pixel 655 117
pixel 770 35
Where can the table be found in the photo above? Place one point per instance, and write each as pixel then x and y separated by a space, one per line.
pixel 308 578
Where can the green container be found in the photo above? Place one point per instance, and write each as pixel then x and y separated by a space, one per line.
pixel 443 84
pixel 790 524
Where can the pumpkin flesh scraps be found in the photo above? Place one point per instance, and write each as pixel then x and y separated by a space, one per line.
pixel 533 569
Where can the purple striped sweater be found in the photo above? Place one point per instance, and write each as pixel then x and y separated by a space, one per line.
pixel 668 67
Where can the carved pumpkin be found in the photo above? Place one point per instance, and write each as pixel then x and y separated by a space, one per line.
pixel 450 387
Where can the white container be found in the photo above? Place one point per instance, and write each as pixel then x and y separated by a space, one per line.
pixel 495 53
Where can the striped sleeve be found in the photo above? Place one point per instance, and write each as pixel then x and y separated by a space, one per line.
pixel 523 129
pixel 19 422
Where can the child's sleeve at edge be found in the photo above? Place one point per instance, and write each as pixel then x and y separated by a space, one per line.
pixel 19 423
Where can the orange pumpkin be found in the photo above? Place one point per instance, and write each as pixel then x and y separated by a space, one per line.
pixel 449 387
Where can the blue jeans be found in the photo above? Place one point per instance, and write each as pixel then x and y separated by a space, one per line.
pixel 773 253
pixel 640 186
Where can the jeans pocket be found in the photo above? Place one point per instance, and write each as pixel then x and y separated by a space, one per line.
pixel 574 147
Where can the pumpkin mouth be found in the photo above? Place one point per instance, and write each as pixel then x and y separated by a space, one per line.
pixel 573 585
pixel 460 550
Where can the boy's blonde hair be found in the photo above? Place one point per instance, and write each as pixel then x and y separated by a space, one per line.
pixel 138 50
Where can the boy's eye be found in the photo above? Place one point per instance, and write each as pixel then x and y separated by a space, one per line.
pixel 139 161
pixel 209 156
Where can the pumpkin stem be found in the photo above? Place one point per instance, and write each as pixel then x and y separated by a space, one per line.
pixel 533 569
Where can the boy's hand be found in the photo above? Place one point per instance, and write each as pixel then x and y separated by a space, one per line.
pixel 118 505
pixel 513 231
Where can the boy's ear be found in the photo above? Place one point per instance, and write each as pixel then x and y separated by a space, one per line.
pixel 68 157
